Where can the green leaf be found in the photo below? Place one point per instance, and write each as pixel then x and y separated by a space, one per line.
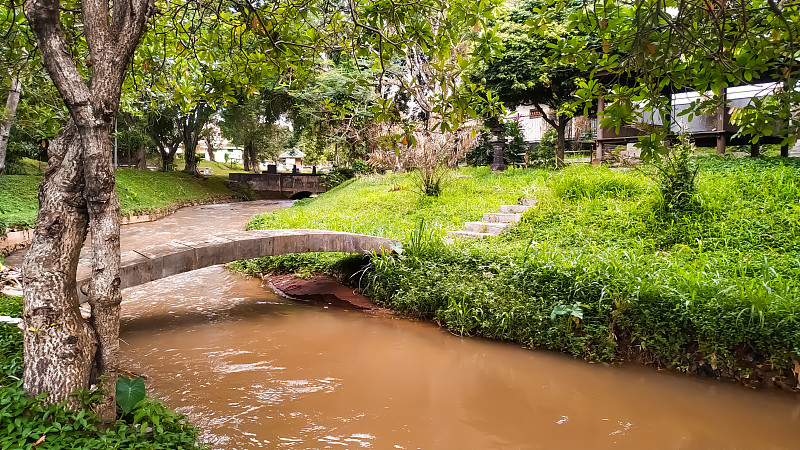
pixel 129 393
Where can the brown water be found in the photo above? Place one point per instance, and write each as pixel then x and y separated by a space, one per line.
pixel 254 370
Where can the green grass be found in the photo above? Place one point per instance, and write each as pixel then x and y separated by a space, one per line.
pixel 389 206
pixel 598 270
pixel 139 191
pixel 18 201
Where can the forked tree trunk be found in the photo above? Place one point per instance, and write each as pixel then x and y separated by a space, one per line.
pixel 59 344
pixel 59 348
pixel 209 148
pixel 8 118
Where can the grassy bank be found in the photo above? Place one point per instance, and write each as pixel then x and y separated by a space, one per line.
pixel 597 270
pixel 138 190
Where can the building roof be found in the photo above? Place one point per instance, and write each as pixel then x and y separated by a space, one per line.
pixel 293 153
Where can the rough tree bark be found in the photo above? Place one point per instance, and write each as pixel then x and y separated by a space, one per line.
pixel 255 166
pixel 208 137
pixel 62 351
pixel 246 158
pixel 8 118
pixel 167 153
pixel 141 158
pixel 191 127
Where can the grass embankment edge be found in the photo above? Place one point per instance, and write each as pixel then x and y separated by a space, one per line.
pixel 143 195
pixel 595 271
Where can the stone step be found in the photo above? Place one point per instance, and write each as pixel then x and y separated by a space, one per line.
pixel 530 201
pixel 513 208
pixel 467 234
pixel 484 227
pixel 501 217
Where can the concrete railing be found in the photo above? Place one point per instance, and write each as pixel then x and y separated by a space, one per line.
pixel 163 260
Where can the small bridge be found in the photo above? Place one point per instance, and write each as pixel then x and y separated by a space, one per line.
pixel 163 260
pixel 281 185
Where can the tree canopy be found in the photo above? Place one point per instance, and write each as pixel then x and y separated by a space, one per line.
pixel 649 49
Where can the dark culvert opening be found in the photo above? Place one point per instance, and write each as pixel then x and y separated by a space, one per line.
pixel 299 195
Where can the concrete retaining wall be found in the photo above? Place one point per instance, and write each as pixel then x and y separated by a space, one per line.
pixel 280 185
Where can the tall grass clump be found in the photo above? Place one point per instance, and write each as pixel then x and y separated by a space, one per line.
pixel 676 174
pixel 585 182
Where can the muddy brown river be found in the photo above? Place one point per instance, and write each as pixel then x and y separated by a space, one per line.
pixel 254 370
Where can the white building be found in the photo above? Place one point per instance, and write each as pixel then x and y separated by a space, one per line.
pixel 534 126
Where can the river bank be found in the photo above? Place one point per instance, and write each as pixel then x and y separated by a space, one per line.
pixel 143 195
pixel 30 420
pixel 594 271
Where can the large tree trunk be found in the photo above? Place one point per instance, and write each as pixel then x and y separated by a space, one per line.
pixel 59 345
pixel 141 158
pixel 209 148
pixel 167 157
pixel 8 118
pixel 246 158
pixel 254 163
pixel 191 127
pixel 191 161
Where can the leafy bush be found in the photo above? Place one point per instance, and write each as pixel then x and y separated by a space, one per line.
pixel 677 173
pixel 337 176
pixel 544 154
pixel 10 341
pixel 361 166
pixel 483 153
pixel 27 421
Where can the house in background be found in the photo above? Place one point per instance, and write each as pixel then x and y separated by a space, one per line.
pixel 580 132
pixel 287 160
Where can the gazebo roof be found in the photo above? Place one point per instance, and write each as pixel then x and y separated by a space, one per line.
pixel 293 153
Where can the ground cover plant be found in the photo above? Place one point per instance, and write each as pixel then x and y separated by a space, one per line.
pixel 602 268
pixel 24 421
pixel 138 190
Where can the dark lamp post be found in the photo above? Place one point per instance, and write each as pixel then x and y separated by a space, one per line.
pixel 498 141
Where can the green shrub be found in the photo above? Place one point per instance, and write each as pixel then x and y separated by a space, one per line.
pixel 544 154
pixel 361 166
pixel 337 176
pixel 10 341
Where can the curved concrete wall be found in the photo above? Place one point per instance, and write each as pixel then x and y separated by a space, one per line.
pixel 160 261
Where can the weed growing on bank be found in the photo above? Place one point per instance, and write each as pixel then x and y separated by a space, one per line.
pixel 598 269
